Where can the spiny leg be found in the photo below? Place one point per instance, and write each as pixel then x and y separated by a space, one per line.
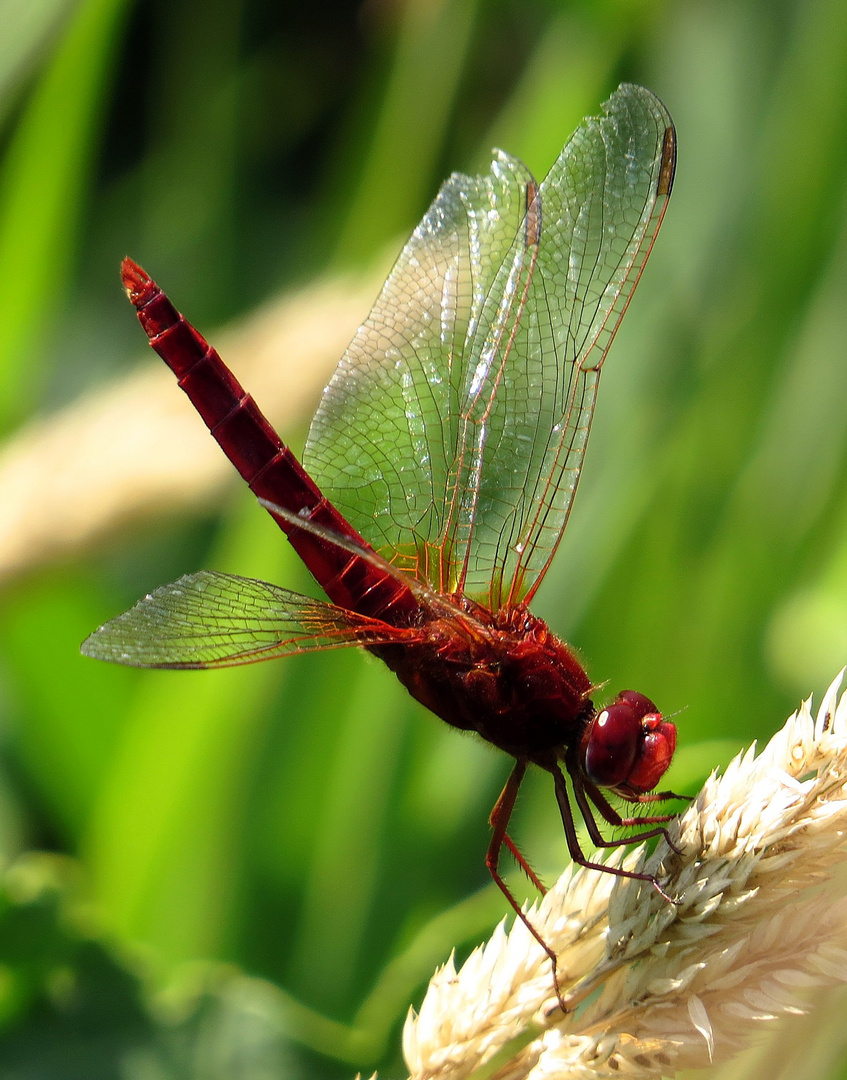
pixel 614 818
pixel 520 859
pixel 499 821
pixel 507 840
pixel 573 840
pixel 583 791
pixel 658 796
pixel 583 787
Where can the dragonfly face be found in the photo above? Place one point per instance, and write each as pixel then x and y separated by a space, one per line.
pixel 627 746
pixel 441 468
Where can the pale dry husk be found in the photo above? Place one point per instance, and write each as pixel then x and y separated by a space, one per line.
pixel 652 987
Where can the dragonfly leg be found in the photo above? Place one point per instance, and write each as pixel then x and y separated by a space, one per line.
pixel 611 815
pixel 499 821
pixel 614 818
pixel 659 796
pixel 573 840
pixel 520 859
pixel 584 791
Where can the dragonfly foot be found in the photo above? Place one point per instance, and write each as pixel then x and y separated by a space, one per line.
pixel 675 900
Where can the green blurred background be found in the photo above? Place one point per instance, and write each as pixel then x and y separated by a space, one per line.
pixel 252 873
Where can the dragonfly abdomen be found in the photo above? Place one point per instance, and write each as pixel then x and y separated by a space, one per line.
pixel 266 463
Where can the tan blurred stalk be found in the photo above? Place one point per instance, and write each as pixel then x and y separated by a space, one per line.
pixel 136 448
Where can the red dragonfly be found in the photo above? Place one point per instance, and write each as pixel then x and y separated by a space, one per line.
pixel 442 466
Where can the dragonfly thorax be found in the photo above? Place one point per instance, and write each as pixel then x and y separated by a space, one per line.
pixel 510 679
pixel 505 676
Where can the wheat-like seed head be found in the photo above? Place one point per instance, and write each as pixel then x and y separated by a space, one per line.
pixel 653 987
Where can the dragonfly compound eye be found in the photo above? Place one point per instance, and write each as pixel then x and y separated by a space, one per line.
pixel 639 702
pixel 611 746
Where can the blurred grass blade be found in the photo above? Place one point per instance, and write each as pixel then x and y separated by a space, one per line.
pixel 42 193
pixel 27 28
pixel 395 179
pixel 163 839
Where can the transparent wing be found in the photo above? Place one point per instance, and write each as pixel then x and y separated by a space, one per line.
pixel 453 432
pixel 219 620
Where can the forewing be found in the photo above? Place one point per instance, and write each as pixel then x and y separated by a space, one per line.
pixel 453 431
pixel 389 442
pixel 601 207
pixel 210 619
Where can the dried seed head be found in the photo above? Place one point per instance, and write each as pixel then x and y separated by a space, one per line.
pixel 653 987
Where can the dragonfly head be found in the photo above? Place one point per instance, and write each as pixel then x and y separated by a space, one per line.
pixel 628 746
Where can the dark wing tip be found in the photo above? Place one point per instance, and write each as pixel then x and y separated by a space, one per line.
pixel 667 168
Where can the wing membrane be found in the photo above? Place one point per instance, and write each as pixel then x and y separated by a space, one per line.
pixel 210 619
pixel 453 432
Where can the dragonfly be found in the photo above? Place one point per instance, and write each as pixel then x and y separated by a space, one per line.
pixel 440 471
